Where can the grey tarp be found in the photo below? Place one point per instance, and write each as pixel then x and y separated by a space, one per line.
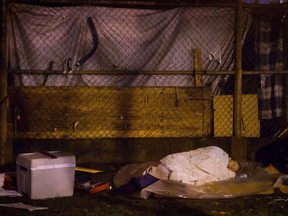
pixel 128 39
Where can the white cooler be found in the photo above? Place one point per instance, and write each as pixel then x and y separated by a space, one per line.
pixel 42 175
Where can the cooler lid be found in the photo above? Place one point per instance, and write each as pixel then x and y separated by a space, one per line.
pixel 46 160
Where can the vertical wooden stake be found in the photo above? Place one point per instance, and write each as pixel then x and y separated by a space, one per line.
pixel 3 82
pixel 239 144
pixel 197 67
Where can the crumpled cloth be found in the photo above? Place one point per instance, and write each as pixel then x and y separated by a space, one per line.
pixel 251 179
pixel 195 167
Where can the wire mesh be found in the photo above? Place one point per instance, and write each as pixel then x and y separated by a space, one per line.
pixel 90 71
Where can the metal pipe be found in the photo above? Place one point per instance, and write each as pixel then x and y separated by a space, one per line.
pixel 147 72
pixel 148 3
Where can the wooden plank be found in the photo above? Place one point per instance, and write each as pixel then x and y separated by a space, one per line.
pixel 86 112
pixel 239 148
pixel 223 116
pixel 197 67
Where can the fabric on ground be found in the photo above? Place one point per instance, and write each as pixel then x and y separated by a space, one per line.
pixel 198 166
pixel 250 180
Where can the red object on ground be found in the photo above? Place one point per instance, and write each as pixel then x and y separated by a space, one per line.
pixel 99 188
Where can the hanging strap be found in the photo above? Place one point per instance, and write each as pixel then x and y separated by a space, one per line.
pixel 52 156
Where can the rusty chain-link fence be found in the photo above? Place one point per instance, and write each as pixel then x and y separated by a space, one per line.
pixel 96 72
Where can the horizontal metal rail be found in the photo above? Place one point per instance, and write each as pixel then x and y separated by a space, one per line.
pixel 148 3
pixel 135 72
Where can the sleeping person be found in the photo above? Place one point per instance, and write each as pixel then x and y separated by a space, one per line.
pixel 195 167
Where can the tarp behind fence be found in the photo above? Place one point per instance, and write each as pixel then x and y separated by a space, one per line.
pixel 80 55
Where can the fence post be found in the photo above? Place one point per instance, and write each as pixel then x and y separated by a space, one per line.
pixel 3 82
pixel 239 144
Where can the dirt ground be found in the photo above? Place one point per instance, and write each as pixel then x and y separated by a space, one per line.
pixel 110 203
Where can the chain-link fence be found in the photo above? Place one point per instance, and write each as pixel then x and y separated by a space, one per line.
pixel 91 71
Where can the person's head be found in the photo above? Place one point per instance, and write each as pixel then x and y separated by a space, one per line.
pixel 233 165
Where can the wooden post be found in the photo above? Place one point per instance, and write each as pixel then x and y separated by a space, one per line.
pixel 197 67
pixel 239 144
pixel 3 82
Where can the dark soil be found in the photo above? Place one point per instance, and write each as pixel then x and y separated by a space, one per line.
pixel 110 203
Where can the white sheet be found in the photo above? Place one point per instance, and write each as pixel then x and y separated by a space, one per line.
pixel 197 167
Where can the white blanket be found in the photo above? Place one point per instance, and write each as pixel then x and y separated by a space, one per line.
pixel 196 167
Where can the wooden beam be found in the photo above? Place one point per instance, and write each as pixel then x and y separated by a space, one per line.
pixel 197 67
pixel 114 112
pixel 239 145
pixel 3 82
